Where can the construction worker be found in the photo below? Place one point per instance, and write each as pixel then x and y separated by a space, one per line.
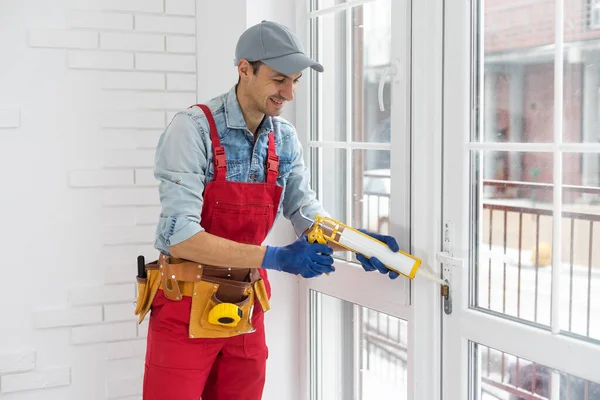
pixel 227 169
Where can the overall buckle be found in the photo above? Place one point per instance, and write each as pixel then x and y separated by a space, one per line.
pixel 273 163
pixel 220 159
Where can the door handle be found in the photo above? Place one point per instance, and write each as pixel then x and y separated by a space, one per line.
pixel 390 70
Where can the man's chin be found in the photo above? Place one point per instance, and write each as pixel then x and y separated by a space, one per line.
pixel 274 112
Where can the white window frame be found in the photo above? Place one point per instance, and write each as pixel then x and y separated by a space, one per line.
pixel 417 302
pixel 547 347
pixel 593 6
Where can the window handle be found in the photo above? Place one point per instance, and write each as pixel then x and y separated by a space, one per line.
pixel 390 70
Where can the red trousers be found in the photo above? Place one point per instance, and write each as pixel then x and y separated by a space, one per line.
pixel 180 368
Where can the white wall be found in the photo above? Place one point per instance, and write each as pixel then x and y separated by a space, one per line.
pixel 86 87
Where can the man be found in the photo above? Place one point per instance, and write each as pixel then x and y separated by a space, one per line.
pixel 227 169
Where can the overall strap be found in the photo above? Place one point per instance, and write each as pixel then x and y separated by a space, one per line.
pixel 219 160
pixel 272 160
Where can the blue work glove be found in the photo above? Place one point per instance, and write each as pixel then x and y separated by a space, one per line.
pixel 372 264
pixel 300 258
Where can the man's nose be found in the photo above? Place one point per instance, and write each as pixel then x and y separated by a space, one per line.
pixel 288 91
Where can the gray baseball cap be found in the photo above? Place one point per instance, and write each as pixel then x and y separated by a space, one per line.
pixel 275 45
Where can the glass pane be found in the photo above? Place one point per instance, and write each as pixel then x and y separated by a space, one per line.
pixel 580 277
pixel 371 48
pixel 582 67
pixel 514 272
pixel 518 94
pixel 357 353
pixel 519 71
pixel 503 376
pixel 371 190
pixel 321 4
pixel 330 94
pixel 334 184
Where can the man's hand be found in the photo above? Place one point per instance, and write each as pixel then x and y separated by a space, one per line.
pixel 372 264
pixel 300 258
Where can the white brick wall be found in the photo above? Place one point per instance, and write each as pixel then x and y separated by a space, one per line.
pixel 96 59
pixel 133 80
pixel 119 312
pixel 123 139
pixel 145 177
pixel 152 23
pixel 43 379
pixel 183 7
pixel 128 234
pixel 142 329
pixel 127 253
pixel 149 100
pixel 132 41
pixel 101 178
pixel 103 333
pixel 48 318
pixel 119 273
pixel 103 294
pixel 165 62
pixel 129 158
pixel 147 215
pixel 10 118
pixel 111 74
pixel 181 44
pixel 125 349
pixel 63 39
pixel 123 368
pixel 17 361
pixel 131 197
pixel 181 82
pixel 123 387
pixel 119 216
pixel 150 6
pixel 100 20
pixel 133 119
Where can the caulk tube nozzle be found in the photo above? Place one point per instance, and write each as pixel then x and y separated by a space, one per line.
pixel 424 273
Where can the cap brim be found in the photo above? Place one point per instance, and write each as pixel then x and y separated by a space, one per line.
pixel 293 63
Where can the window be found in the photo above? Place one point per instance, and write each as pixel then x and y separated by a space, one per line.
pixel 522 190
pixel 359 154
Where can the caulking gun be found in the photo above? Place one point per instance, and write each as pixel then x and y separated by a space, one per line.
pixel 326 230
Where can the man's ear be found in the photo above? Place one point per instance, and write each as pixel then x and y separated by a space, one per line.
pixel 244 69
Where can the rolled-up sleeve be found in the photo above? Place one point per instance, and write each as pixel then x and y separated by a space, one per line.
pixel 298 193
pixel 180 167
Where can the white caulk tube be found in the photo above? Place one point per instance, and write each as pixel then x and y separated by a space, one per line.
pixel 399 262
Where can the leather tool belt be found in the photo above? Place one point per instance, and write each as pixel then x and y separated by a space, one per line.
pixel 208 287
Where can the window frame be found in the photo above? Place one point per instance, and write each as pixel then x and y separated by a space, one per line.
pixel 594 20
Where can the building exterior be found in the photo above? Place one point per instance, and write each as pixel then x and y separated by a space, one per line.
pixel 518 95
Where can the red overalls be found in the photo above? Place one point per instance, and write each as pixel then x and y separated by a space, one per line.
pixel 180 368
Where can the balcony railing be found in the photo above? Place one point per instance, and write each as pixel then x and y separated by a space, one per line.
pixel 515 378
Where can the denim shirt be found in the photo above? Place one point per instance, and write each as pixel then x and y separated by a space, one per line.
pixel 183 165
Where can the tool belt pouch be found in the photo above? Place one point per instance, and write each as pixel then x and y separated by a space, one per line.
pixel 176 275
pixel 146 290
pixel 222 286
